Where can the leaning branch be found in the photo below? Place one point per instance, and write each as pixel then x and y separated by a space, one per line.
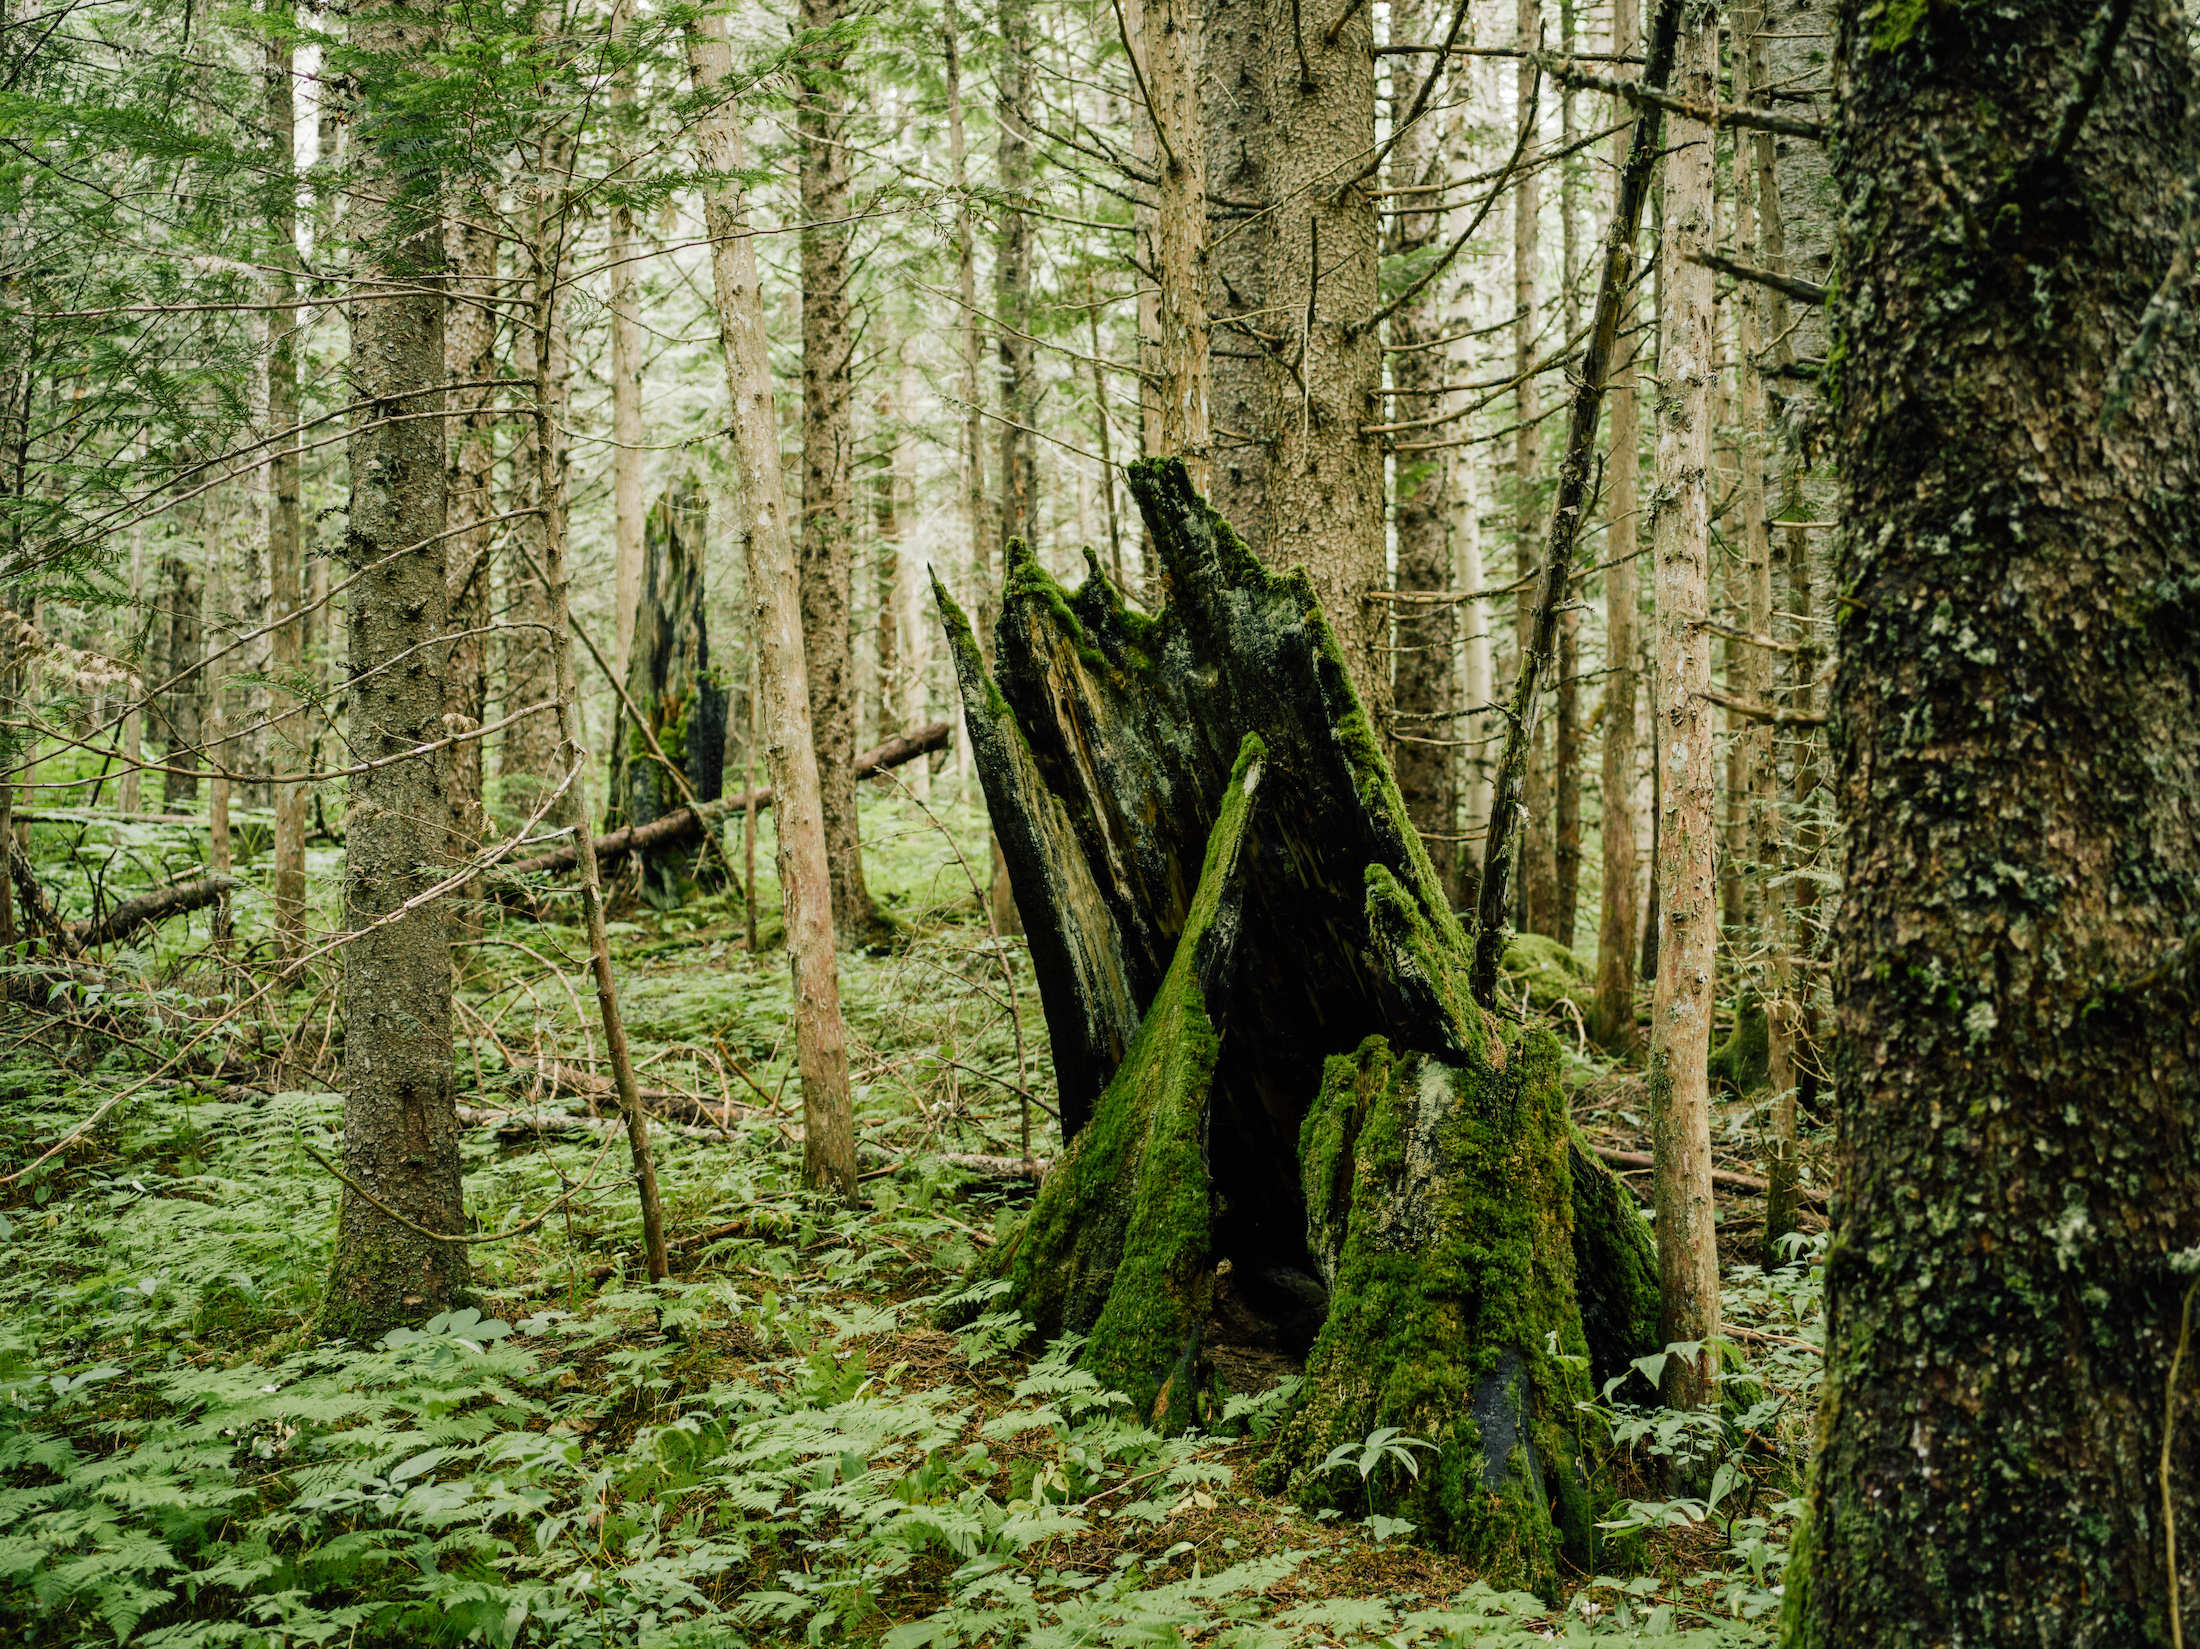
pixel 1645 96
pixel 1777 715
pixel 686 823
pixel 1800 291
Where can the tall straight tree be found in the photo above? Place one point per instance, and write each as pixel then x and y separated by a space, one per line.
pixel 629 461
pixel 1174 53
pixel 1422 682
pixel 469 351
pixel 1325 473
pixel 1539 847
pixel 2011 1285
pixel 783 703
pixel 1680 1021
pixel 1019 376
pixel 289 744
pixel 400 1121
pixel 1614 1018
pixel 828 458
pixel 1234 121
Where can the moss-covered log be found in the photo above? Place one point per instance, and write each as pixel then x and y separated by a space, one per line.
pixel 1112 747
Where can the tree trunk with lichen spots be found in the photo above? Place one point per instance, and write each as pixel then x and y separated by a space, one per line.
pixel 2017 748
pixel 1225 898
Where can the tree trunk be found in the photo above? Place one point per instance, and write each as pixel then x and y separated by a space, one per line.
pixel 1012 281
pixel 1246 1053
pixel 1174 56
pixel 669 681
pixel 821 1039
pixel 828 463
pixel 289 741
pixel 1234 121
pixel 1325 476
pixel 2017 749
pixel 629 463
pixel 530 746
pixel 1613 1021
pixel 1680 1021
pixel 1538 873
pixel 400 1125
pixel 470 355
pixel 183 706
pixel 1424 730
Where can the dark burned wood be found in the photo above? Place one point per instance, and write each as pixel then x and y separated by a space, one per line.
pixel 684 825
pixel 1103 752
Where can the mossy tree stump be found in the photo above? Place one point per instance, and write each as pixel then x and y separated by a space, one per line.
pixel 1268 1056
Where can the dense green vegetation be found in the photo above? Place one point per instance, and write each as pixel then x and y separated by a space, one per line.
pixel 773 1447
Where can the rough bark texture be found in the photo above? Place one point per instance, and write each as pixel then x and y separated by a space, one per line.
pixel 1234 121
pixel 2017 743
pixel 469 351
pixel 1115 750
pixel 400 1128
pixel 287 743
pixel 670 683
pixel 828 463
pixel 1423 684
pixel 629 461
pixel 1325 477
pixel 1680 1021
pixel 1019 381
pixel 821 1036
pixel 1174 55
pixel 1537 874
pixel 1613 1021
pixel 530 745
pixel 183 707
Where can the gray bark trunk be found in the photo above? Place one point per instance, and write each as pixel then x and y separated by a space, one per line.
pixel 400 1127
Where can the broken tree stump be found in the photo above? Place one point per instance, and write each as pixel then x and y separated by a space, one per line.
pixel 1360 1122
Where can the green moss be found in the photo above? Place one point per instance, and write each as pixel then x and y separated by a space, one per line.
pixel 1550 972
pixel 1742 1063
pixel 1439 1209
pixel 1118 1241
pixel 962 643
pixel 1615 1269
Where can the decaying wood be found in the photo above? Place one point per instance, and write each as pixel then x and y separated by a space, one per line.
pixel 1257 1004
pixel 685 824
pixel 142 909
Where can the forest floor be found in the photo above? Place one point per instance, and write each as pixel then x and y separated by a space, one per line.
pixel 773 1447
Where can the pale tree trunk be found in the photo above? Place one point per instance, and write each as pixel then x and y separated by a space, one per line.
pixel 886 524
pixel 1174 54
pixel 550 422
pixel 1538 876
pixel 1103 434
pixel 1325 475
pixel 1680 1021
pixel 184 705
pixel 400 1123
pixel 628 460
pixel 469 353
pixel 1233 122
pixel 912 630
pixel 289 743
pixel 972 456
pixel 828 462
pixel 1614 1019
pixel 821 1039
pixel 1566 712
pixel 2008 1453
pixel 1423 727
pixel 1012 282
pixel 131 795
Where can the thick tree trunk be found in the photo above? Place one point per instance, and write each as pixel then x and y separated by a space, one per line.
pixel 289 741
pixel 1234 121
pixel 1174 56
pixel 821 1038
pixel 828 463
pixel 1325 476
pixel 1193 1016
pixel 1424 731
pixel 1680 1021
pixel 400 1127
pixel 2017 743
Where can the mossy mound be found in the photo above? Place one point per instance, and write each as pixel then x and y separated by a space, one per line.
pixel 1439 1198
pixel 1742 1063
pixel 1550 971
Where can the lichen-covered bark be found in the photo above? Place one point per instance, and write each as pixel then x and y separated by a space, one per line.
pixel 1120 1240
pixel 1234 123
pixel 1438 1198
pixel 400 1124
pixel 2017 740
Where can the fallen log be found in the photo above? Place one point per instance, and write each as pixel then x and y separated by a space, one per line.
pixel 1719 1176
pixel 143 909
pixel 686 824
